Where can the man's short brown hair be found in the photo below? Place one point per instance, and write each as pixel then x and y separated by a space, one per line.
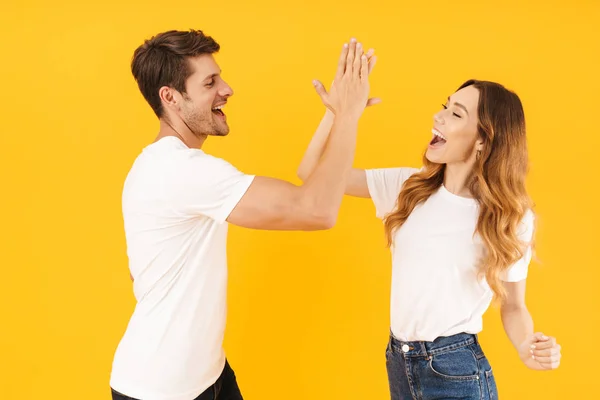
pixel 162 61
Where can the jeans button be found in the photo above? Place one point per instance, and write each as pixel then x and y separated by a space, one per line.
pixel 405 348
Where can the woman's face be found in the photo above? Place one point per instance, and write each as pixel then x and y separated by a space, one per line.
pixel 455 136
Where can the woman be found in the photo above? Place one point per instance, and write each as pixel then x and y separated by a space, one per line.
pixel 460 232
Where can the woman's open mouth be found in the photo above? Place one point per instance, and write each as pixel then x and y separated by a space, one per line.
pixel 438 139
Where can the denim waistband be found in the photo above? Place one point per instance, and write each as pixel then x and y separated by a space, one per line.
pixel 439 345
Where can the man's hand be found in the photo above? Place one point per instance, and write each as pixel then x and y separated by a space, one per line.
pixel 372 60
pixel 350 88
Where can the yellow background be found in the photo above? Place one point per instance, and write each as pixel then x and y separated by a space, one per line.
pixel 309 312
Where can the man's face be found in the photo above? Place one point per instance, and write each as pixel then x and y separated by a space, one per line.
pixel 206 95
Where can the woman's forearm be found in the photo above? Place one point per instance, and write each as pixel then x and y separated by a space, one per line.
pixel 316 146
pixel 517 323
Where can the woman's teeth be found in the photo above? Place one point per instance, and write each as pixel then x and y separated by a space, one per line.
pixel 438 134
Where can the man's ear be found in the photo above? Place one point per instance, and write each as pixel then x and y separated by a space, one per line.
pixel 169 97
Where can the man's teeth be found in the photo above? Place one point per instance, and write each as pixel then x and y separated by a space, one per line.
pixel 436 133
pixel 219 107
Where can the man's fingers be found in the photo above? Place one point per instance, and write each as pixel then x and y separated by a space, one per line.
pixel 342 62
pixel 373 101
pixel 358 61
pixel 350 57
pixel 363 72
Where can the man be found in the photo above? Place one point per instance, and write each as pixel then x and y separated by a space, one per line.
pixel 178 201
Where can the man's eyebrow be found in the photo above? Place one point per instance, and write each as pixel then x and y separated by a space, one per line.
pixel 211 76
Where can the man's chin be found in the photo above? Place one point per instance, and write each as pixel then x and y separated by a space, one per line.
pixel 219 130
pixel 219 133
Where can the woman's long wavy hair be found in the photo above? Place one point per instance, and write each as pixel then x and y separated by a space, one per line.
pixel 497 182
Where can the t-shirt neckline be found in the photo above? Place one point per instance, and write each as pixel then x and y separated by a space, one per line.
pixel 456 198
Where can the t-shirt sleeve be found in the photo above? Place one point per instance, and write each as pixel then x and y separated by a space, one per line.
pixel 518 271
pixel 207 185
pixel 384 187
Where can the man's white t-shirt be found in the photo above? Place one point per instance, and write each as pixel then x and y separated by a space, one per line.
pixel 436 290
pixel 175 204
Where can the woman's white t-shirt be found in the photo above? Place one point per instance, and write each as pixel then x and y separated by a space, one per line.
pixel 436 290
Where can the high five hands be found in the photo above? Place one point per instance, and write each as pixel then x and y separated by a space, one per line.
pixel 349 92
